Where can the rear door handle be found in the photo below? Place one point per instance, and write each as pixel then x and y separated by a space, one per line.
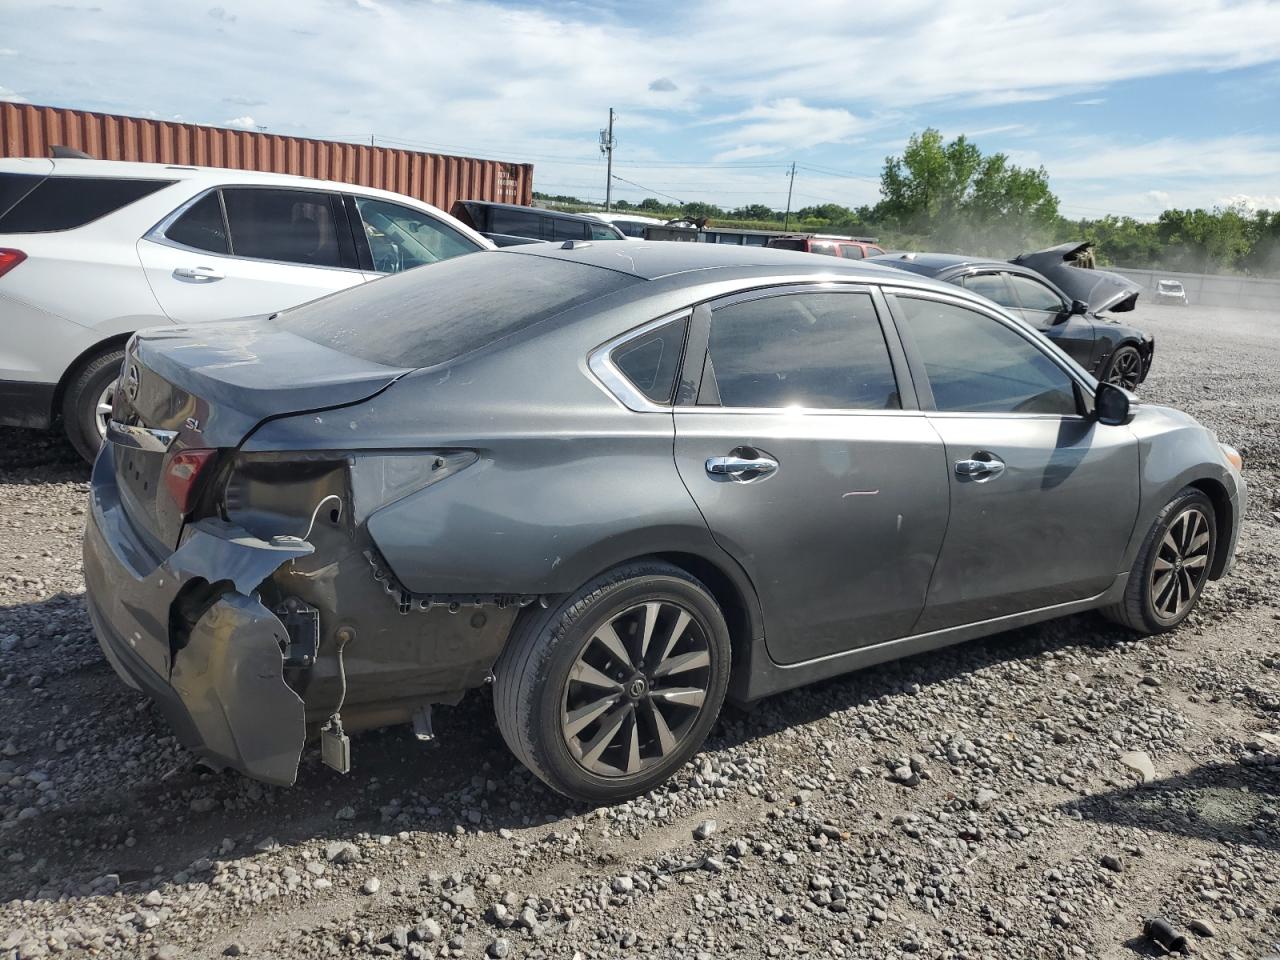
pixel 198 274
pixel 982 466
pixel 738 468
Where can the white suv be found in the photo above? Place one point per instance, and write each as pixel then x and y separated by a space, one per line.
pixel 92 250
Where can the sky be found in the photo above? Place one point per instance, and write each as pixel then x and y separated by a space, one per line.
pixel 1131 106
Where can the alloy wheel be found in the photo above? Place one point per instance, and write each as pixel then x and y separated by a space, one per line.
pixel 1181 564
pixel 1125 369
pixel 102 408
pixel 636 689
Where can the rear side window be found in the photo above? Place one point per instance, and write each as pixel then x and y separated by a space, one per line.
pixel 976 364
pixel 15 186
pixel 64 203
pixel 292 226
pixel 651 361
pixel 991 286
pixel 568 229
pixel 787 244
pixel 515 223
pixel 424 317
pixel 201 226
pixel 851 251
pixel 818 350
pixel 825 248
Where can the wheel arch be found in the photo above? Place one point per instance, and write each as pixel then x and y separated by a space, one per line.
pixel 116 341
pixel 1223 521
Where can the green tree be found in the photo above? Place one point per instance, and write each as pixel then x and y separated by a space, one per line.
pixel 650 203
pixel 952 194
pixel 697 210
pixel 756 211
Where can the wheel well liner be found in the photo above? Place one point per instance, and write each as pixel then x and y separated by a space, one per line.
pixel 1223 519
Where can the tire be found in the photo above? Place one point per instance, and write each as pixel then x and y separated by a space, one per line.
pixel 1146 603
pixel 541 708
pixel 1124 369
pixel 80 401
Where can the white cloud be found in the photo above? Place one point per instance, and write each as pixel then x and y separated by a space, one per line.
pixel 8 52
pixel 1091 102
pixel 790 123
pixel 1252 203
pixel 12 96
pixel 244 123
pixel 747 152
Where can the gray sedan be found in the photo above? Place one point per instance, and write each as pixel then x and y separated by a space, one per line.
pixel 621 483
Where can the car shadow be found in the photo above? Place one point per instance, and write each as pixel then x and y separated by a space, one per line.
pixel 1232 803
pixel 145 810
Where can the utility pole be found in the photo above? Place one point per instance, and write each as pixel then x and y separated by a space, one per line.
pixel 786 222
pixel 607 143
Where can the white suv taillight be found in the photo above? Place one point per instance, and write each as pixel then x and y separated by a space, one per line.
pixel 10 259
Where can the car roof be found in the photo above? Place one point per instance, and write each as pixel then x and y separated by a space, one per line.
pixel 565 214
pixel 932 264
pixel 653 259
pixel 77 167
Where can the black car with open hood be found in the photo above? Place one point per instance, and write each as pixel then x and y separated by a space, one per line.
pixel 1059 293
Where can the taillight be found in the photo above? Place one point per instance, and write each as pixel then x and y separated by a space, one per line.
pixel 10 259
pixel 182 476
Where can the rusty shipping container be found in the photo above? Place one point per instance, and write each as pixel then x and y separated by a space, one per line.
pixel 27 130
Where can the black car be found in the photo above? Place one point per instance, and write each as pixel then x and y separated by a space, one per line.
pixel 509 224
pixel 1062 300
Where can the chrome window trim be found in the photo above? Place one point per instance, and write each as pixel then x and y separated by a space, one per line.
pixel 157 233
pixel 613 381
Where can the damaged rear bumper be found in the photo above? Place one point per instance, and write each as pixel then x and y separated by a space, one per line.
pixel 190 632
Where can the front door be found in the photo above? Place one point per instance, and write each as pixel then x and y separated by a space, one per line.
pixel 1043 499
pixel 813 470
pixel 1048 311
pixel 241 251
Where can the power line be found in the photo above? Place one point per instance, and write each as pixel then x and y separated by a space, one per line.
pixel 647 189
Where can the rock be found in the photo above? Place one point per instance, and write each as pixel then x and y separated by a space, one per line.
pixel 984 798
pixel 1202 928
pixel 1139 763
pixel 704 830
pixel 203 805
pixel 427 931
pixel 233 950
pixel 463 897
pixel 906 776
pixel 346 813
pixel 399 938
pixel 167 952
pixel 341 851
pixel 1112 863
pixel 153 898
pixel 623 884
pixel 499 948
pixel 371 886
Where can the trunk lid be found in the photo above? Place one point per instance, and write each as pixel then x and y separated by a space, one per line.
pixel 1070 266
pixel 207 387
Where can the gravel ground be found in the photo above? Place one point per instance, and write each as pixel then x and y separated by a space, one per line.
pixel 970 803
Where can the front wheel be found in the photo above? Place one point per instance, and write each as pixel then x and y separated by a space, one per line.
pixel 86 405
pixel 1172 567
pixel 608 694
pixel 1125 368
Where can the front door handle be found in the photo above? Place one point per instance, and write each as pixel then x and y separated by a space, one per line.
pixel 741 468
pixel 198 274
pixel 982 466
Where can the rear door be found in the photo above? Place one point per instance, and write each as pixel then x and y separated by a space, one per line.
pixel 1043 499
pixel 239 251
pixel 812 466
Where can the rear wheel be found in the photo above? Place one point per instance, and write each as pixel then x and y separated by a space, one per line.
pixel 1172 567
pixel 86 405
pixel 608 694
pixel 1124 368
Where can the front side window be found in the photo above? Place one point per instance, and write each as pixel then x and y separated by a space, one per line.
pixel 851 251
pixel 515 223
pixel 64 203
pixel 814 350
pixel 568 229
pixel 201 226
pixel 603 232
pixel 823 247
pixel 401 238
pixel 1034 295
pixel 291 226
pixel 976 364
pixel 991 286
pixel 651 361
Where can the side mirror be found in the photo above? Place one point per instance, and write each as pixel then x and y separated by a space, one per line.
pixel 1110 405
pixel 1078 307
